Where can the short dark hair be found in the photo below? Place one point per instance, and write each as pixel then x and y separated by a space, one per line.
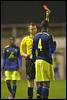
pixel 12 38
pixel 31 24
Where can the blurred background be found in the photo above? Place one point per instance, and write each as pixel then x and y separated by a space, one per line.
pixel 16 15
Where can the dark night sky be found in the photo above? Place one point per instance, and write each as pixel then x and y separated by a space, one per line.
pixel 19 12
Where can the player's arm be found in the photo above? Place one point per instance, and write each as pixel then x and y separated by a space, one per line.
pixel 4 60
pixel 52 44
pixel 22 48
pixel 20 62
pixel 47 12
pixel 34 50
pixel 20 59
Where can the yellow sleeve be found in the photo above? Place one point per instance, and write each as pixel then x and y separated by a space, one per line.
pixel 23 46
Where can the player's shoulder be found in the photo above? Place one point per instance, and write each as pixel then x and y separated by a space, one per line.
pixel 25 38
pixel 16 47
pixel 7 46
pixel 38 34
pixel 47 34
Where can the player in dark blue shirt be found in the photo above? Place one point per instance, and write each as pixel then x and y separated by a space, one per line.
pixel 12 66
pixel 43 48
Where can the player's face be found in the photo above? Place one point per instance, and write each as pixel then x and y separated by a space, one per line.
pixel 32 29
pixel 12 41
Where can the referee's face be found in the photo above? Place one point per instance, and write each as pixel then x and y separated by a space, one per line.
pixel 32 29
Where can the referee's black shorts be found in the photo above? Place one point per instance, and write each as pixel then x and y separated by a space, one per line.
pixel 30 69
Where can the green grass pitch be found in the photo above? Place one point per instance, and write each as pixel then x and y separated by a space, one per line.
pixel 57 90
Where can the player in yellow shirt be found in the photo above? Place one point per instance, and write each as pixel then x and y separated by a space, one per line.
pixel 26 51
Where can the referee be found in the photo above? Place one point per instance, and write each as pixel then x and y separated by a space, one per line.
pixel 26 52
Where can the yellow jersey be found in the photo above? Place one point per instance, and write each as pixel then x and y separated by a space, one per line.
pixel 26 46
